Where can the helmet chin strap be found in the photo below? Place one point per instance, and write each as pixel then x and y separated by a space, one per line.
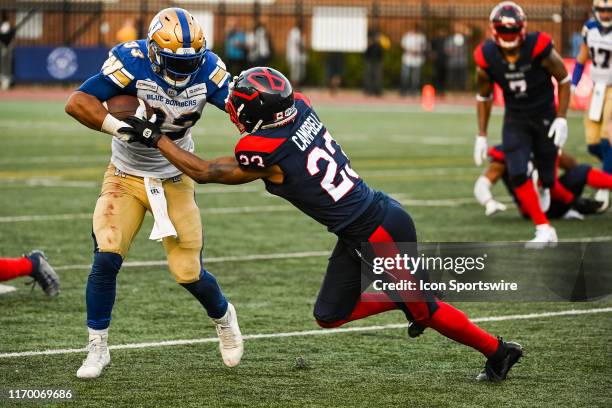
pixel 177 84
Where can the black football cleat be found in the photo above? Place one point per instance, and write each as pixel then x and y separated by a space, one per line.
pixel 415 329
pixel 43 273
pixel 498 365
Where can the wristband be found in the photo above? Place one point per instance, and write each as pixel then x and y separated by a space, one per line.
pixel 111 125
pixel 577 74
pixel 481 98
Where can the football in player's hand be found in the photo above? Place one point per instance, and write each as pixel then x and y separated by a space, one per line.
pixel 123 106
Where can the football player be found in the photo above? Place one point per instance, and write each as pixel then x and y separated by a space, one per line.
pixel 597 46
pixel 566 202
pixel 523 65
pixel 174 72
pixel 36 266
pixel 291 150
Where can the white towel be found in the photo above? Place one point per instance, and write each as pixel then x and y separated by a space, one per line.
pixel 159 207
pixel 598 98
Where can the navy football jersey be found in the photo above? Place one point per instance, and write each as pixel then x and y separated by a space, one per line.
pixel 318 178
pixel 526 84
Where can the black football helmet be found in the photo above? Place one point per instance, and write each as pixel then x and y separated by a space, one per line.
pixel 508 24
pixel 260 98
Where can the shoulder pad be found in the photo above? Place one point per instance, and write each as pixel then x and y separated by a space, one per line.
pixel 479 57
pixel 123 60
pixel 214 69
pixel 543 45
pixel 298 96
pixel 258 151
pixel 590 24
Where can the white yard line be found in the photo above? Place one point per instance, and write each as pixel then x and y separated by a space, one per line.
pixel 58 182
pixel 450 202
pixel 304 333
pixel 205 211
pixel 219 259
pixel 6 289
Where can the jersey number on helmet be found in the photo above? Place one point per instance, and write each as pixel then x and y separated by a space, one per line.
pixel 336 191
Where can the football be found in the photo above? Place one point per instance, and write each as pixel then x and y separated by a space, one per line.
pixel 123 106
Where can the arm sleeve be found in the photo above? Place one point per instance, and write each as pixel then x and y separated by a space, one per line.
pixel 219 97
pixel 100 87
pixel 577 74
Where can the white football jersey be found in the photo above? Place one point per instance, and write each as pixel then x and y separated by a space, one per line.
pixel 600 47
pixel 130 71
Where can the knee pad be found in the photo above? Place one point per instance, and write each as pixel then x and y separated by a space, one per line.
pixel 328 315
pixel 518 180
pixel 184 264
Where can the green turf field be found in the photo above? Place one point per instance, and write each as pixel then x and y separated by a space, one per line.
pixel 50 173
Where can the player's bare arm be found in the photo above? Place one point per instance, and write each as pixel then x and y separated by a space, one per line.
pixel 223 170
pixel 583 55
pixel 554 64
pixel 87 109
pixel 484 103
pixel 484 100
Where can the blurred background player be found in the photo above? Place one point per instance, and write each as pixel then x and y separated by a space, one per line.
pixel 289 148
pixel 34 265
pixel 597 46
pixel 566 203
pixel 175 73
pixel 523 64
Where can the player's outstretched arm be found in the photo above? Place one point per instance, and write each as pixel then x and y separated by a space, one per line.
pixel 87 109
pixel 223 170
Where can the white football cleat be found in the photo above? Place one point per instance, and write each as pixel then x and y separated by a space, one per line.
pixel 230 338
pixel 545 236
pixel 98 357
pixel 493 207
pixel 603 196
pixel 572 214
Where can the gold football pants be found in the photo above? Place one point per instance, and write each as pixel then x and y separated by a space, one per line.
pixel 595 131
pixel 121 208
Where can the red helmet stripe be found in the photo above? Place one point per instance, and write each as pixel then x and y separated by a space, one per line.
pixel 245 96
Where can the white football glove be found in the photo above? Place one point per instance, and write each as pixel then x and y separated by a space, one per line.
pixel 558 130
pixel 493 207
pixel 480 150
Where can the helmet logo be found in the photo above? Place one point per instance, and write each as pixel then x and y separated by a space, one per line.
pixel 275 82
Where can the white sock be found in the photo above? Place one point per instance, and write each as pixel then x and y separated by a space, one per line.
pixel 94 332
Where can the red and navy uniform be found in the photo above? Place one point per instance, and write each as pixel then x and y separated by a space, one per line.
pixel 318 177
pixel 530 105
pixel 319 181
pixel 573 180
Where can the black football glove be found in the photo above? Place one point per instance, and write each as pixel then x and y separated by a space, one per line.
pixel 143 131
pixel 586 206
